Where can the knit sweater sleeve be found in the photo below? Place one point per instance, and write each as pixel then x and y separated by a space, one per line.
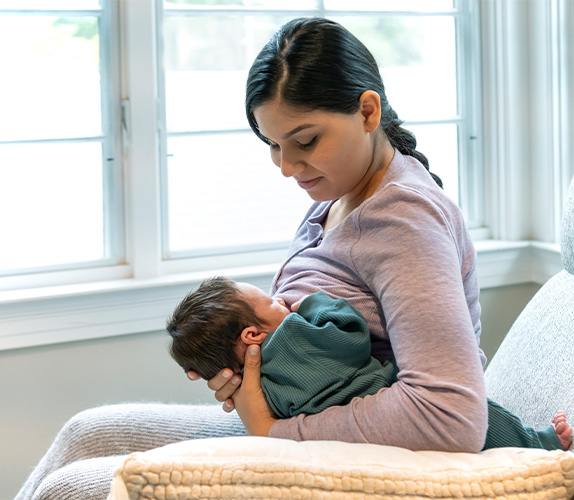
pixel 407 254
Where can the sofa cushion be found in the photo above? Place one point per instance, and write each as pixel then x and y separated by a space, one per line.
pixel 256 467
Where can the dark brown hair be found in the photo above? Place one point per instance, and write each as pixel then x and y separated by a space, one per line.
pixel 206 326
pixel 315 63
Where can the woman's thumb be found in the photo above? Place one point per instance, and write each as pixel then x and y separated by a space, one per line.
pixel 251 369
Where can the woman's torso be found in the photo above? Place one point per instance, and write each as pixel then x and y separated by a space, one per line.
pixel 334 261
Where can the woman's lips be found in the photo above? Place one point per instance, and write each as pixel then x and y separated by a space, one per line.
pixel 308 184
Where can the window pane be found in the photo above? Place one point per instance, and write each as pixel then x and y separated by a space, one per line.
pixel 394 5
pixel 224 192
pixel 49 5
pixel 417 58
pixel 267 4
pixel 52 88
pixel 50 204
pixel 439 143
pixel 206 64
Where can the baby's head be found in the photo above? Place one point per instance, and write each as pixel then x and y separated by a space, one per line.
pixel 212 326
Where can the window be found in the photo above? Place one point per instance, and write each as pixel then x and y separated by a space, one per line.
pixel 72 96
pixel 60 200
pixel 124 147
pixel 221 194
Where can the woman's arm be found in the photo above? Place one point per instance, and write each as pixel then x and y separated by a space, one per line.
pixel 409 258
pixel 248 399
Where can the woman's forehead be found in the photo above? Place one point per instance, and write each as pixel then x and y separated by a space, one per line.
pixel 279 121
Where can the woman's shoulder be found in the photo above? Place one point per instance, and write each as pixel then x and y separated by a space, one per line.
pixel 410 207
pixel 408 188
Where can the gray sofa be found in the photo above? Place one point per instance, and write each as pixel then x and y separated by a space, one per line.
pixel 531 373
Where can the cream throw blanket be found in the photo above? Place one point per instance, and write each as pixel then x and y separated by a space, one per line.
pixel 253 467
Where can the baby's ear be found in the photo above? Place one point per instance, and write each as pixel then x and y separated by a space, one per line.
pixel 253 335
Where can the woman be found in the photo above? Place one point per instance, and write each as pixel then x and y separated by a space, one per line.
pixel 381 234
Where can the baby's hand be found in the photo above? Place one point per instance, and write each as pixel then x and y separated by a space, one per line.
pixel 296 305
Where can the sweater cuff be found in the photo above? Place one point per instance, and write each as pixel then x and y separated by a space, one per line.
pixel 285 429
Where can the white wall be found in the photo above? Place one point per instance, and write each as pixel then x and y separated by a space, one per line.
pixel 41 387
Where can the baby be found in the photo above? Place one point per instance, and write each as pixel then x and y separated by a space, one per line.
pixel 314 355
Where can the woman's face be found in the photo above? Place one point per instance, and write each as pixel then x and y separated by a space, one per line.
pixel 328 154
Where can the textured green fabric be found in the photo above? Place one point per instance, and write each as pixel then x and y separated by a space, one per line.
pixel 506 430
pixel 319 357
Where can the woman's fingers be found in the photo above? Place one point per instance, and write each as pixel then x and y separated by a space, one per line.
pixel 225 383
pixel 228 405
pixel 220 379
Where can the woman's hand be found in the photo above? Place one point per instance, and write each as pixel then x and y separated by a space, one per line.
pixel 250 403
pixel 225 383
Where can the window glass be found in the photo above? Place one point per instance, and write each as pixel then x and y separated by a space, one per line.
pixel 417 59
pixel 49 5
pixel 267 4
pixel 52 89
pixel 226 195
pixel 56 137
pixel 206 63
pixel 439 143
pixel 390 5
pixel 50 204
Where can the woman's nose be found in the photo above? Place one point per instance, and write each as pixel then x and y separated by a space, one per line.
pixel 289 167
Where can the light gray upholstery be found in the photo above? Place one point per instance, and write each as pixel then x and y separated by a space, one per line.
pixel 532 372
pixel 567 239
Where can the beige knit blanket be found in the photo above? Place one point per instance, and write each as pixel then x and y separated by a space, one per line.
pixel 266 468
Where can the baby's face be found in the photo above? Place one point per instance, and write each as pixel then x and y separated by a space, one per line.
pixel 271 311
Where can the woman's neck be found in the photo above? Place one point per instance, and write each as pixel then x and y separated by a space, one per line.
pixel 383 153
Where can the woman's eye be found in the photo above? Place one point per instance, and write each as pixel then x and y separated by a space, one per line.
pixel 308 145
pixel 274 146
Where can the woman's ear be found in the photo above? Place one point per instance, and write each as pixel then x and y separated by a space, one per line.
pixel 252 335
pixel 370 108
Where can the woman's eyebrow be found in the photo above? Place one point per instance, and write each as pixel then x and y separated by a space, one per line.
pixel 297 129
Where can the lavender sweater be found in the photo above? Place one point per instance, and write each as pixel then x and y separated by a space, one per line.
pixel 405 260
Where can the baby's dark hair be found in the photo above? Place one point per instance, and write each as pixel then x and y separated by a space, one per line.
pixel 206 325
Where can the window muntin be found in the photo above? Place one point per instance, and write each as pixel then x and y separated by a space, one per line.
pixel 391 5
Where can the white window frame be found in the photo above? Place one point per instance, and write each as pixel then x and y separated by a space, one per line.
pixel 468 121
pixel 111 266
pixel 138 297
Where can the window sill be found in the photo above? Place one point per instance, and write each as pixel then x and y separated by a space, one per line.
pixel 42 316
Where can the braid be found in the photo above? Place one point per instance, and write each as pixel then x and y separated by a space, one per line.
pixel 404 140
